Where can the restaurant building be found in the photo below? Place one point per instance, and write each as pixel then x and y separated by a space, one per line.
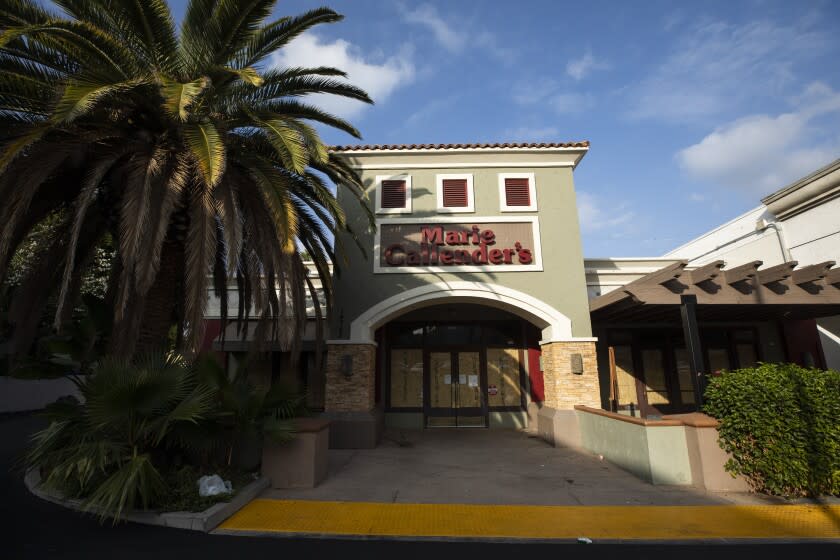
pixel 470 309
pixel 471 305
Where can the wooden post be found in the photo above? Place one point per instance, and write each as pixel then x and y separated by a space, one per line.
pixel 613 381
pixel 691 333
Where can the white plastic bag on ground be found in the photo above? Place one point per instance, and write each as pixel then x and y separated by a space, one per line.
pixel 213 485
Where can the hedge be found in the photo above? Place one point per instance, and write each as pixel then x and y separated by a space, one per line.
pixel 781 425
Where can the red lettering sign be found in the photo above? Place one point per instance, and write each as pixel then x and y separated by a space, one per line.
pixel 469 247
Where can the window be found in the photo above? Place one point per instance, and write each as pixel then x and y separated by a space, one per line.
pixel 393 194
pixel 517 192
pixel 455 193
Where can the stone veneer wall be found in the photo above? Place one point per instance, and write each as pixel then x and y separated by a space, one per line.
pixel 354 394
pixel 564 389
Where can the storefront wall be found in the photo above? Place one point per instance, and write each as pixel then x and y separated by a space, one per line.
pixel 560 284
pixel 652 370
pixel 459 366
pixel 548 292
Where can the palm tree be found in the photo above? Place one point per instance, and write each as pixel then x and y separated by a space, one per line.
pixel 184 149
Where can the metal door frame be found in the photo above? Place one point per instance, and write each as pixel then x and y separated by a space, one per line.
pixel 454 412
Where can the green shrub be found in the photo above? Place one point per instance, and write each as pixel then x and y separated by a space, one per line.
pixel 110 449
pixel 781 424
pixel 149 427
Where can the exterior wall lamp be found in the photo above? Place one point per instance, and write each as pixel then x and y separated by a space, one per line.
pixel 577 364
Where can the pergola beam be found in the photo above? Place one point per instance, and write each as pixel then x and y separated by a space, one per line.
pixel 744 290
pixel 706 272
pixel 776 273
pixel 812 273
pixel 740 273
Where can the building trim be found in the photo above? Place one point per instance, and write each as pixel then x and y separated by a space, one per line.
pixel 469 208
pixel 532 192
pixel 537 249
pixel 488 150
pixel 483 165
pixel 378 185
pixel 556 327
pixel 808 192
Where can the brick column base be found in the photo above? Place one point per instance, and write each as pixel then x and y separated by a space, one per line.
pixel 557 420
pixel 564 389
pixel 353 393
pixel 350 400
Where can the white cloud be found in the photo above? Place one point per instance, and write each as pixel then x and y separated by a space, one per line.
pixel 379 79
pixel 429 110
pixel 583 66
pixel 548 94
pixel 427 16
pixel 459 38
pixel 488 42
pixel 761 153
pixel 534 92
pixel 717 67
pixel 596 214
pixel 696 197
pixel 569 103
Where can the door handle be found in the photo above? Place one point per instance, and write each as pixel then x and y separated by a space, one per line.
pixel 455 391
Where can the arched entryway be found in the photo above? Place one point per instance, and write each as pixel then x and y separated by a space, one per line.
pixel 553 324
pixel 458 365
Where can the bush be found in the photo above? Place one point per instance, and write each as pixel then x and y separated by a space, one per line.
pixel 148 428
pixel 781 424
pixel 110 450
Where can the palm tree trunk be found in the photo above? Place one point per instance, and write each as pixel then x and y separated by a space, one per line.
pixel 161 307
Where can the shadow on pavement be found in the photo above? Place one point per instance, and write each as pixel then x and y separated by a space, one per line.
pixel 35 529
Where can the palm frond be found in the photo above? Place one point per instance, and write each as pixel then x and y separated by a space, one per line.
pixel 278 33
pixel 208 150
pixel 178 96
pixel 199 249
pixel 137 479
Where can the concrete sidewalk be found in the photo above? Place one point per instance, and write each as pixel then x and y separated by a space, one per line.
pixel 510 485
pixel 499 467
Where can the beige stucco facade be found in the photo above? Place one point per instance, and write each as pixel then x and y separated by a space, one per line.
pixel 547 289
pixel 560 284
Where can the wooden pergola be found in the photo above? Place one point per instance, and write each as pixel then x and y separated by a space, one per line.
pixel 713 293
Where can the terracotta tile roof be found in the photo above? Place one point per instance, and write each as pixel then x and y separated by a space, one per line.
pixel 372 147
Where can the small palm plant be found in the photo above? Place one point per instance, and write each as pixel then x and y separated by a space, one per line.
pixel 110 449
pixel 245 412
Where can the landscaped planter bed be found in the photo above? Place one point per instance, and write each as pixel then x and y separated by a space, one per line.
pixel 205 521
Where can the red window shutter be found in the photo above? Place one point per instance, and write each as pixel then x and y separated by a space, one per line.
pixel 454 193
pixel 393 193
pixel 517 192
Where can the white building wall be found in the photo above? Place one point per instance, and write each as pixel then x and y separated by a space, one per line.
pixel 814 235
pixel 749 237
pixel 809 237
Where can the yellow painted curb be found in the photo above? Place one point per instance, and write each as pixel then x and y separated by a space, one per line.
pixel 537 522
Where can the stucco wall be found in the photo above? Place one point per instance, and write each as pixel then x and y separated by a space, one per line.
pixel 814 236
pixel 561 284
pixel 657 454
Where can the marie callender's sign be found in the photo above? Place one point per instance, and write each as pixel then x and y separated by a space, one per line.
pixel 486 244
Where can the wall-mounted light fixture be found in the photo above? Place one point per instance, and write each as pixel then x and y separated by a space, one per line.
pixel 347 365
pixel 577 364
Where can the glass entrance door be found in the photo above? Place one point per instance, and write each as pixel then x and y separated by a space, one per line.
pixel 455 382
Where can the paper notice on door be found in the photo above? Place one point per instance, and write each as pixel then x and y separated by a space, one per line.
pixel 473 381
pixel 462 379
pixel 447 379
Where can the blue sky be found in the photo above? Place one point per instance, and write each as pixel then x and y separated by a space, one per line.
pixel 695 110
